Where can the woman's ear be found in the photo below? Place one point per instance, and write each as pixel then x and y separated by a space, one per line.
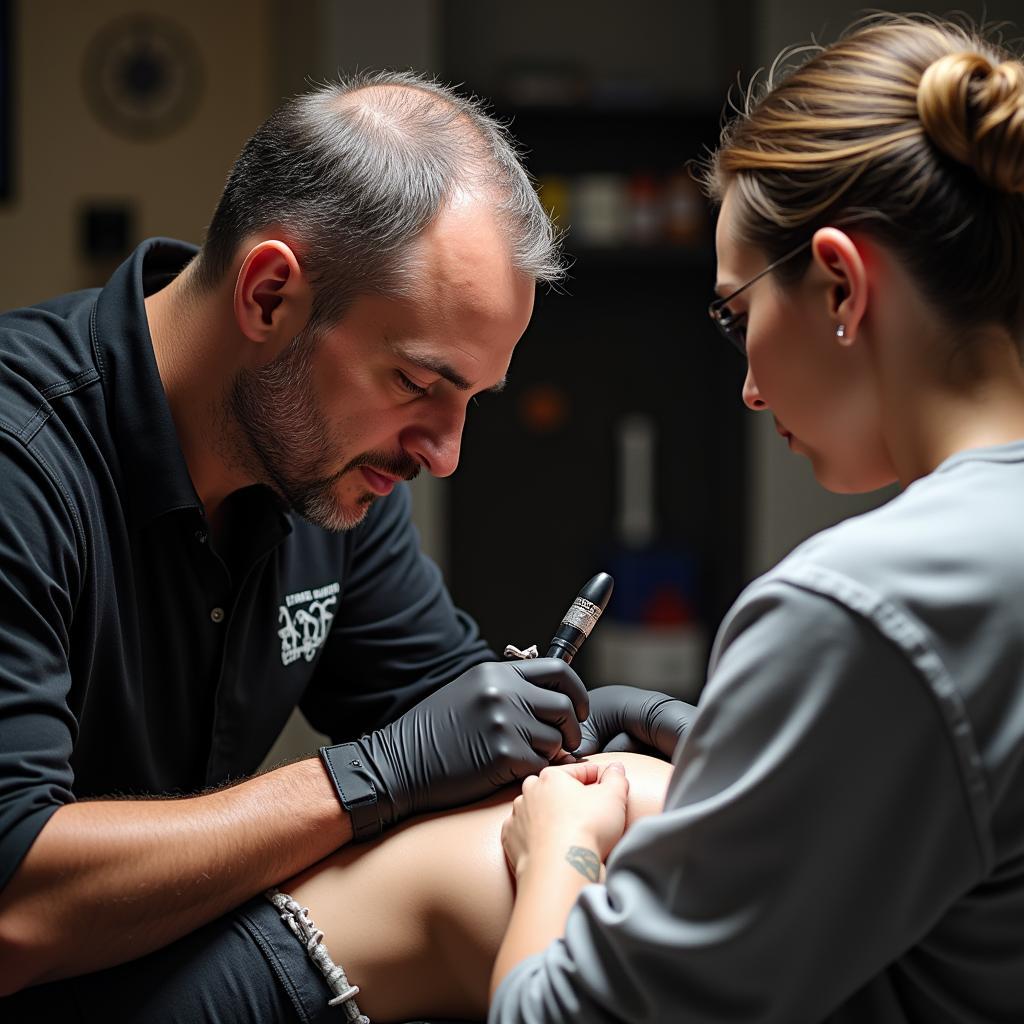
pixel 273 299
pixel 841 259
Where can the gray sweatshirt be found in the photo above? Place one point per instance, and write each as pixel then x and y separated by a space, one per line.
pixel 843 837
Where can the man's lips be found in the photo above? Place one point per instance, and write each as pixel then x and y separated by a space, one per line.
pixel 378 482
pixel 783 432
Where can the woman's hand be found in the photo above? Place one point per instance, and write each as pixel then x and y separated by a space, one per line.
pixel 575 813
pixel 560 831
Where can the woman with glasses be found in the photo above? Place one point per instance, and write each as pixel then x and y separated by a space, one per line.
pixel 843 833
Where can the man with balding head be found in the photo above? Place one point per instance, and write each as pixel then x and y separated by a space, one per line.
pixel 207 525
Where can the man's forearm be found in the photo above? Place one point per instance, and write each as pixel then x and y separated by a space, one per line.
pixel 107 881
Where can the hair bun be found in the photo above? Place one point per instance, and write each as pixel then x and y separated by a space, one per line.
pixel 973 111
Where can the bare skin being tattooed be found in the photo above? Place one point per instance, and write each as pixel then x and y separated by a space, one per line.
pixel 585 861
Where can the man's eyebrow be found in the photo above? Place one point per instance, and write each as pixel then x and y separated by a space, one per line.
pixel 723 288
pixel 443 369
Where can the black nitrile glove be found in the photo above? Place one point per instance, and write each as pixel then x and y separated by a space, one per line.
pixel 644 721
pixel 496 723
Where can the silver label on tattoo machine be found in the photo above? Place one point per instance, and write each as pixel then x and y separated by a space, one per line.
pixel 583 615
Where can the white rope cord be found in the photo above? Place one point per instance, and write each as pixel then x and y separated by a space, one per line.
pixel 298 920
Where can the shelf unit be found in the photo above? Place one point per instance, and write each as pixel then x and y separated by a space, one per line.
pixel 533 505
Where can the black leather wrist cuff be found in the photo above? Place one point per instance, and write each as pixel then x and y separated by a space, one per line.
pixel 355 788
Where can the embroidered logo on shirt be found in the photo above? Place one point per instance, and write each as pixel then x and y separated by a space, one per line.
pixel 305 618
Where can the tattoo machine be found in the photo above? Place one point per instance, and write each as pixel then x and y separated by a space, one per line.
pixel 577 622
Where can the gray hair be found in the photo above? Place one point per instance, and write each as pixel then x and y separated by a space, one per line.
pixel 355 170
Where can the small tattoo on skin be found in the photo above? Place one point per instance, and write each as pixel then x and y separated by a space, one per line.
pixel 585 861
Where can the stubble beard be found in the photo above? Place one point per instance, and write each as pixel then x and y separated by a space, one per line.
pixel 278 435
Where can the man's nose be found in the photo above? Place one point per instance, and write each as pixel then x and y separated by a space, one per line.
pixel 437 446
pixel 751 396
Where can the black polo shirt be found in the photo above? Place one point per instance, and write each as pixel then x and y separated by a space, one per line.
pixel 134 657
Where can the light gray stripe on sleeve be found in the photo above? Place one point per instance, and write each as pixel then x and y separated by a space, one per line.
pixel 902 630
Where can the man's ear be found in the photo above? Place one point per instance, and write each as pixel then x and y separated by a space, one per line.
pixel 273 299
pixel 843 263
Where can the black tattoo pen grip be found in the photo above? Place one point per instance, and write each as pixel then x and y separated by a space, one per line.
pixel 581 618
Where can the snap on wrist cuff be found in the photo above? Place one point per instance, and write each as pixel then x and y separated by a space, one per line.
pixel 355 788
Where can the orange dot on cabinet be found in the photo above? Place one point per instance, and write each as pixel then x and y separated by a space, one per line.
pixel 544 408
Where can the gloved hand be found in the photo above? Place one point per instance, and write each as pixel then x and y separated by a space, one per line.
pixel 625 718
pixel 494 724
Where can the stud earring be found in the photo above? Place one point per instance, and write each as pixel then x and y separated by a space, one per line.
pixel 841 331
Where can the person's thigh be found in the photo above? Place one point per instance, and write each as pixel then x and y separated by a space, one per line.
pixel 413 916
pixel 416 917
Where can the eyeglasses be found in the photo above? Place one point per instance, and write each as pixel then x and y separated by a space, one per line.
pixel 734 325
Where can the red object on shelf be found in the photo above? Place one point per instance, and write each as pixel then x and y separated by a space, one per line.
pixel 667 607
pixel 646 211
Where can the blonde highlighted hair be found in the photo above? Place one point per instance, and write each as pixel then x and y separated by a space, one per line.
pixel 910 128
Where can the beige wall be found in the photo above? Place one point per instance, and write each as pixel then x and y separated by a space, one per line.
pixel 64 157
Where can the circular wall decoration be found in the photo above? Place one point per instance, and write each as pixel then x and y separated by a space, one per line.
pixel 143 76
